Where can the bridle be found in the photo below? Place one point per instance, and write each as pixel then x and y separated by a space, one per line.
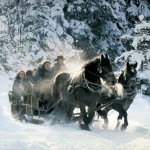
pixel 85 83
pixel 91 86
pixel 100 70
pixel 128 78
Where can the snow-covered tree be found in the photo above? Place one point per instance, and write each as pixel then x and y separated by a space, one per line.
pixel 140 42
pixel 40 29
pixel 32 31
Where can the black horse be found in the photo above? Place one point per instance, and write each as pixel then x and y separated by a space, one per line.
pixel 81 90
pixel 128 79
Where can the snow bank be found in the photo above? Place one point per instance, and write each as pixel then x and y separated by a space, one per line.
pixel 15 135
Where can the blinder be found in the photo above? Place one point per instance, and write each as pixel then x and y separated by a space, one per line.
pixel 133 70
pixel 100 69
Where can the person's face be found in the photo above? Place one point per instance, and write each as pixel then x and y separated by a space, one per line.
pixel 47 66
pixel 21 74
pixel 34 72
pixel 60 61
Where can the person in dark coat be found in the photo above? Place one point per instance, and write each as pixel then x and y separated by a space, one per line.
pixel 29 76
pixel 59 66
pixel 28 79
pixel 43 84
pixel 43 72
pixel 18 89
pixel 26 97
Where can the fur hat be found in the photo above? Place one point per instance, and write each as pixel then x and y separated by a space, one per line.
pixel 60 57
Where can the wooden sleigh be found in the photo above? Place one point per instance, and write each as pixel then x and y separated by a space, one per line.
pixel 27 110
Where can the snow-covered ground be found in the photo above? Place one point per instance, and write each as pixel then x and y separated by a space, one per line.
pixel 21 136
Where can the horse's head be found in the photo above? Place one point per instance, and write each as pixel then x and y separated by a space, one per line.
pixel 131 69
pixel 100 67
pixel 105 68
pixel 130 75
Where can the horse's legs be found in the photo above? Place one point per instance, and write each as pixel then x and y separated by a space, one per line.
pixel 85 119
pixel 91 113
pixel 103 114
pixel 122 112
pixel 69 112
pixel 118 121
pixel 84 114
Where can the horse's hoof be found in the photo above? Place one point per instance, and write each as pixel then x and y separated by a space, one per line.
pixel 85 127
pixel 123 127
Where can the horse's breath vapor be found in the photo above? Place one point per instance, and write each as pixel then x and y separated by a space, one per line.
pixel 75 65
pixel 120 90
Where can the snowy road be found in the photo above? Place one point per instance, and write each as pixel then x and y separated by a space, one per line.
pixel 21 136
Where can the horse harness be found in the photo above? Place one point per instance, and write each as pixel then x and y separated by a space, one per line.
pixel 84 83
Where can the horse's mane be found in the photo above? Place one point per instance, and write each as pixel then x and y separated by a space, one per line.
pixel 91 62
pixel 90 69
pixel 103 60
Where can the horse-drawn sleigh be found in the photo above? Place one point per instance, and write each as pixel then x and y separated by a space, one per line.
pixel 27 110
pixel 87 89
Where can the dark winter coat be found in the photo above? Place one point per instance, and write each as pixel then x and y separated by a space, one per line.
pixel 26 81
pixel 43 84
pixel 43 74
pixel 18 89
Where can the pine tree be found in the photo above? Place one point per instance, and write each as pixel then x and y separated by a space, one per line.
pixel 140 42
pixel 40 29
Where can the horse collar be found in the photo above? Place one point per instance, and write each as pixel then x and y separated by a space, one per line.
pixel 92 87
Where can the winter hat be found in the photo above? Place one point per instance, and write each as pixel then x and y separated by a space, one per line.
pixel 29 73
pixel 60 57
